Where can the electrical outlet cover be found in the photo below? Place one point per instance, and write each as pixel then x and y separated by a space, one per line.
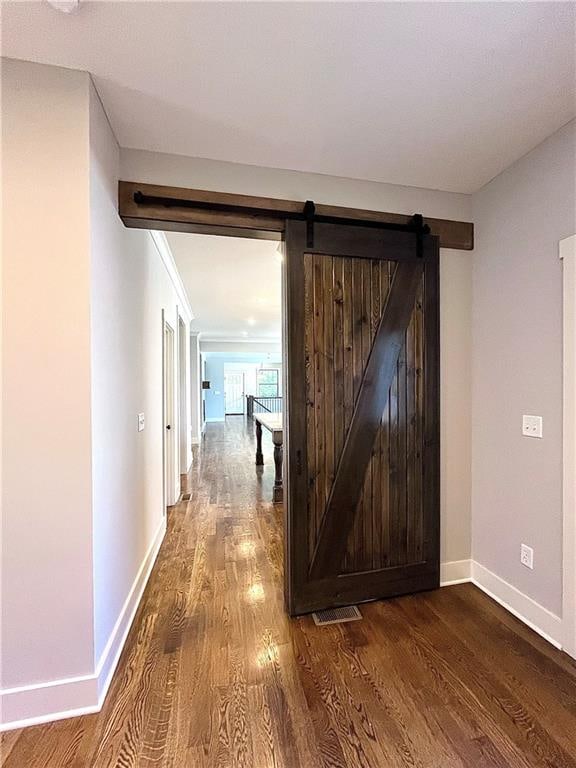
pixel 527 556
pixel 532 426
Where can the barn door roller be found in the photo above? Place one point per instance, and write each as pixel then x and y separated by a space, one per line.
pixel 308 214
pixel 415 225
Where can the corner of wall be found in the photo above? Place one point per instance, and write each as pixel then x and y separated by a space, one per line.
pixel 517 299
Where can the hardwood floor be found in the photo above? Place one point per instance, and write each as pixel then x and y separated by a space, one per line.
pixel 214 674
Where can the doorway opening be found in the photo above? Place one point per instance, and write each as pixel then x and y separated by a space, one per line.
pixel 184 435
pixel 236 375
pixel 234 391
pixel 171 491
pixel 360 411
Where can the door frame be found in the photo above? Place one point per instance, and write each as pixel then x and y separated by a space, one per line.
pixel 568 256
pixel 169 445
pixel 183 397
pixel 159 207
pixel 242 399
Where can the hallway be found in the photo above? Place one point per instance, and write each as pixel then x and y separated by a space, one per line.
pixel 215 675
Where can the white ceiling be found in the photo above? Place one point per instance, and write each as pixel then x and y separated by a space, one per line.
pixel 233 284
pixel 438 95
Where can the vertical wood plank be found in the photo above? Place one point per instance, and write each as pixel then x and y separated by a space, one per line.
pixel 419 405
pixel 393 470
pixel 385 276
pixel 339 344
pixel 356 545
pixel 310 397
pixel 348 319
pixel 376 460
pixel 348 342
pixel 320 503
pixel 393 474
pixel 411 464
pixel 402 459
pixel 328 394
pixel 365 556
pixel 296 558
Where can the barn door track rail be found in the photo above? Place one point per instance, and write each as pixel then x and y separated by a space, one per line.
pixel 308 214
pixel 151 206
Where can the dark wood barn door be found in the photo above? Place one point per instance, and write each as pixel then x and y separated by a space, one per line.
pixel 362 446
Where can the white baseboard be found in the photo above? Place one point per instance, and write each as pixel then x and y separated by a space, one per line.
pixel 111 653
pixel 44 702
pixel 214 419
pixel 59 699
pixel 534 615
pixel 455 572
pixel 538 618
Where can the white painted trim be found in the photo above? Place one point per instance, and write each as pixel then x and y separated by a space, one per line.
pixel 59 699
pixel 165 253
pixel 455 572
pixel 212 419
pixel 49 684
pixel 108 660
pixel 534 615
pixel 46 702
pixel 568 256
pixel 538 618
pixel 50 718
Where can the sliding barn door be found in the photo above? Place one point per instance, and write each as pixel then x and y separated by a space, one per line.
pixel 362 443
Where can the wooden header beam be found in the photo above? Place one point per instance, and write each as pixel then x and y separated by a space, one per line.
pixel 268 223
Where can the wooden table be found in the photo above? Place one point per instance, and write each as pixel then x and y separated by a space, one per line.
pixel 273 423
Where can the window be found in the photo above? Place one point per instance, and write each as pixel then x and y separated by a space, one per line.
pixel 268 382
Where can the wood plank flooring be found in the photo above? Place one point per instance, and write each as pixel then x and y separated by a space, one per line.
pixel 215 675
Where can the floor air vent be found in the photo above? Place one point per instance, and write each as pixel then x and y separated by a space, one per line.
pixel 337 615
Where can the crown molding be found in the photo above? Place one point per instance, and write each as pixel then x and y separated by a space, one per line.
pixel 162 246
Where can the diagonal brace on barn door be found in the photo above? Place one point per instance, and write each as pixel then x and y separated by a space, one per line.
pixel 372 398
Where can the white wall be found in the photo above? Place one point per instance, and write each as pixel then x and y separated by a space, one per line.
pixel 456 272
pixel 177 170
pixel 130 288
pixel 82 498
pixel 455 408
pixel 47 621
pixel 82 302
pixel 242 347
pixel 517 366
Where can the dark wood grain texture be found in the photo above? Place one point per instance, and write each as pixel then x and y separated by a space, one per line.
pixel 363 527
pixel 452 234
pixel 381 367
pixel 215 675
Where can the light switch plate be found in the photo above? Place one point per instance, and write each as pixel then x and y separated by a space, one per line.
pixel 532 426
pixel 140 422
